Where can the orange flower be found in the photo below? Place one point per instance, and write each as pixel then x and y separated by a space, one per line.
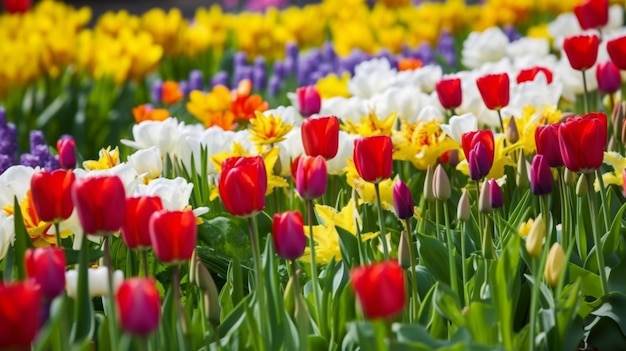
pixel 171 93
pixel 146 112
pixel 212 108
pixel 245 105
pixel 409 64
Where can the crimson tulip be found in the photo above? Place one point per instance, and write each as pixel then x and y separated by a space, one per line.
pixel 402 200
pixel 16 6
pixel 52 194
pixel 311 177
pixel 320 136
pixel 582 140
pixel 608 76
pixel 617 51
pixel 529 74
pixel 309 100
pixel 136 227
pixel 373 158
pixel 20 315
pixel 173 235
pixel 380 288
pixel 138 306
pixel 547 141
pixel 581 51
pixel 242 185
pixel 592 13
pixel 100 202
pixel 66 147
pixel 46 267
pixel 288 234
pixel 449 93
pixel 479 150
pixel 541 181
pixel 496 198
pixel 495 90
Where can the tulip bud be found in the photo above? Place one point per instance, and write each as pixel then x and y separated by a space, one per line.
pixel 521 176
pixel 608 76
pixel 496 198
pixel 288 297
pixel 624 182
pixel 288 234
pixel 138 306
pixel 451 157
pixel 380 289
pixel 309 100
pixel 534 240
pixel 428 184
pixel 200 275
pixel 402 200
pixel 581 187
pixel 46 267
pixel 570 177
pixel 541 180
pixel 403 251
pixel 512 134
pixel 484 205
pixel 441 184
pixel 66 147
pixel 463 209
pixel 554 265
pixel 311 177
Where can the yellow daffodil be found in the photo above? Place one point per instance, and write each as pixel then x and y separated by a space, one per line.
pixel 371 125
pixel 527 124
pixel 112 23
pixel 165 28
pixel 332 85
pixel 267 130
pixel 107 159
pixel 212 108
pixel 421 143
pixel 616 177
pixel 524 228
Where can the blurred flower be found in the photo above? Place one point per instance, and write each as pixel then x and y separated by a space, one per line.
pixel 212 108
pixel 242 185
pixel 617 51
pixel 138 306
pixel 147 162
pixel 373 158
pixel 608 76
pixel 529 74
pixel 482 47
pixel 380 288
pixel 16 6
pixel 541 180
pixel 496 198
pixel 582 141
pixel 146 112
pixel 495 90
pixel 288 235
pixel 100 204
pixel 108 159
pixel 371 125
pixel 51 194
pixel 592 13
pixel 555 265
pixel 163 134
pixel 20 315
pixel 449 93
pixel 173 235
pixel 309 100
pixel 66 147
pixel 171 93
pixel 459 125
pixel 320 136
pixel 581 51
pixel 333 85
pixel 136 227
pixel 46 267
pixel 98 281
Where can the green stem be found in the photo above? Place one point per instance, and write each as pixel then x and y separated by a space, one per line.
pixel 586 100
pixel 415 299
pixel 501 123
pixel 314 278
pixel 591 197
pixel 451 260
pixel 478 214
pixel 463 268
pixel 143 256
pixel 258 270
pixel 300 313
pixel 113 332
pixel 180 311
pixel 605 203
pixel 381 222
pixel 58 234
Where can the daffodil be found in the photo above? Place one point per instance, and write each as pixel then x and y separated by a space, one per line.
pixel 371 125
pixel 333 85
pixel 527 124
pixel 421 143
pixel 618 163
pixel 165 28
pixel 107 159
pixel 212 108
pixel 267 129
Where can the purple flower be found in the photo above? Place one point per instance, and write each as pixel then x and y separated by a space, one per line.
pixel 274 85
pixel 279 69
pixel 512 33
pixel 259 78
pixel 240 59
pixel 5 163
pixel 196 80
pixel 402 200
pixel 496 199
pixel 220 78
pixel 156 91
pixel 541 181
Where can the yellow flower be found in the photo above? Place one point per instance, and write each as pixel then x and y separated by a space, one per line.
pixel 421 143
pixel 524 228
pixel 267 130
pixel 108 159
pixel 212 108
pixel 333 85
pixel 165 28
pixel 527 124
pixel 325 234
pixel 618 162
pixel 371 125
pixel 555 265
pixel 112 23
pixel 366 190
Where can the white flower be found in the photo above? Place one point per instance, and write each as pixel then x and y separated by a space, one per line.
pixel 147 161
pixel 537 93
pixel 424 78
pixel 162 134
pixel 214 139
pixel 572 79
pixel 459 125
pixel 431 113
pixel 482 47
pixel 127 174
pixel 616 18
pixel 564 25
pixel 345 151
pixel 98 281
pixel 406 102
pixel 14 182
pixel 289 149
pixel 371 77
pixel 174 193
pixel 289 114
pixel 345 108
pixel 533 47
pixel 7 233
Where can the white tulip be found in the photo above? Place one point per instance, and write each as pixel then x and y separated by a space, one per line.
pixel 98 281
pixel 459 125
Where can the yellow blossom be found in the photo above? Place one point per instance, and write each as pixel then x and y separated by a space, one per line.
pixel 333 85
pixel 108 159
pixel 524 228
pixel 371 125
pixel 212 108
pixel 165 28
pixel 421 143
pixel 618 163
pixel 267 130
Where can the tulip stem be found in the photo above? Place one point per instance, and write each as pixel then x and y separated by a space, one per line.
pixel 381 222
pixel 300 314
pixel 144 262
pixel 605 204
pixel 591 197
pixel 463 269
pixel 415 300
pixel 57 229
pixel 111 303
pixel 314 281
pixel 451 260
pixel 260 286
pixel 501 124
pixel 180 311
pixel 480 218
pixel 586 97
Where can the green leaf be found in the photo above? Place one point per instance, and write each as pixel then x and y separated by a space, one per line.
pixel 84 324
pixel 22 241
pixel 447 303
pixel 349 247
pixel 590 282
pixel 434 256
pixel 482 321
pixel 614 307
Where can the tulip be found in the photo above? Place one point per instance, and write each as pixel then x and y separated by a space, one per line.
pixel 592 13
pixel 484 198
pixel 173 235
pixel 100 202
pixel 478 147
pixel 136 227
pixel 529 74
pixel 617 51
pixel 20 315
pixel 449 93
pixel 441 184
pixel 309 100
pixel 66 147
pixel 582 140
pixel 171 93
pixel 373 158
pixel 380 289
pixel 98 281
pixel 16 6
pixel 463 209
pixel 52 194
pixel 554 265
pixel 540 176
pixel 138 306
pixel 311 177
pixel 242 185
pixel 581 51
pixel 547 141
pixel 46 267
pixel 534 240
pixel 402 200
pixel 496 198
pixel 608 76
pixel 288 234
pixel 495 90
pixel 320 136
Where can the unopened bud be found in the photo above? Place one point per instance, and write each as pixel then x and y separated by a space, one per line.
pixel 484 205
pixel 441 184
pixel 581 187
pixel 554 265
pixel 512 134
pixel 404 259
pixel 428 185
pixel 521 177
pixel 463 209
pixel 570 177
pixel 534 240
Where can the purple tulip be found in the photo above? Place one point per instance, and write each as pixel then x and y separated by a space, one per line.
pixel 541 181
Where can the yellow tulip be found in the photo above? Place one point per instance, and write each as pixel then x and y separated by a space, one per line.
pixel 555 265
pixel 534 240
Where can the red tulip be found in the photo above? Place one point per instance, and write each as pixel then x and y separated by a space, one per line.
pixel 288 234
pixel 100 202
pixel 320 136
pixel 46 267
pixel 173 235
pixel 581 51
pixel 582 140
pixel 373 158
pixel 52 194
pixel 66 147
pixel 547 141
pixel 380 288
pixel 529 74
pixel 309 100
pixel 479 150
pixel 617 51
pixel 311 177
pixel 20 315
pixel 592 13
pixel 242 185
pixel 608 76
pixel 449 93
pixel 16 6
pixel 495 90
pixel 136 227
pixel 138 306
